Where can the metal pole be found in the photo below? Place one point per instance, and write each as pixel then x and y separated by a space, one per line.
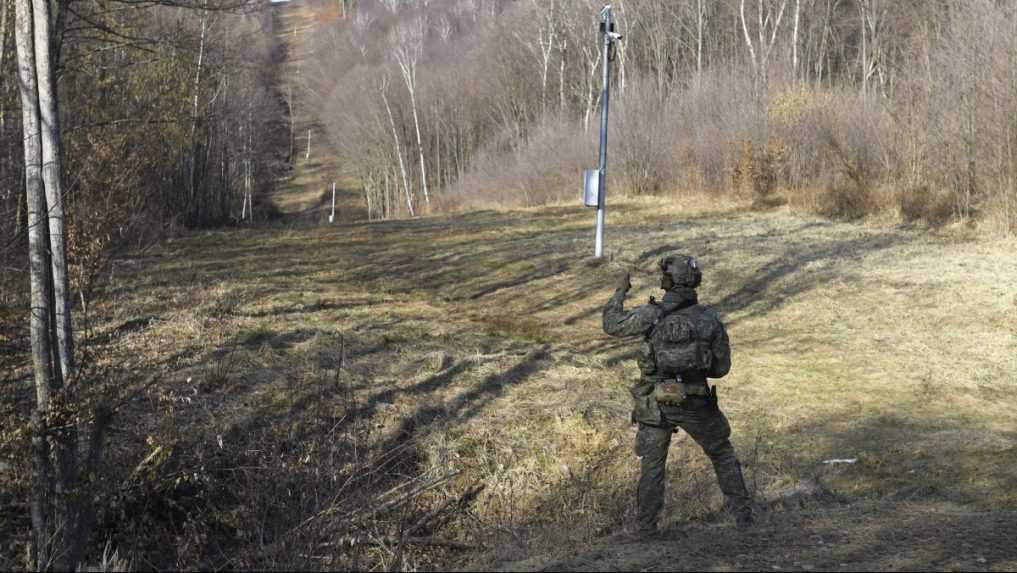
pixel 604 98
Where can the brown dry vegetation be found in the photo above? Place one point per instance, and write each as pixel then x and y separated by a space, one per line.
pixel 305 372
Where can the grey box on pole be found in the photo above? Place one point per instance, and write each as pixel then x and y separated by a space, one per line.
pixel 591 187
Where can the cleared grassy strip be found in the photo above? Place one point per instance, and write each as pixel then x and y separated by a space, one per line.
pixel 477 339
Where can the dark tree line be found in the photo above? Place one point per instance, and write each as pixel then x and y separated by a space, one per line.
pixel 118 120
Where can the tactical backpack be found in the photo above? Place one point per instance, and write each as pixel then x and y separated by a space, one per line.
pixel 680 342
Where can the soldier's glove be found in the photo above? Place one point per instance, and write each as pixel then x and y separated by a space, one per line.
pixel 623 284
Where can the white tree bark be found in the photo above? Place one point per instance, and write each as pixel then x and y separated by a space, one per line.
pixel 871 15
pixel 701 22
pixel 545 42
pixel 563 50
pixel 194 109
pixel 57 537
pixel 49 116
pixel 398 147
pixel 794 40
pixel 407 55
pixel 592 54
pixel 759 51
pixel 41 283
pixel 3 44
pixel 622 47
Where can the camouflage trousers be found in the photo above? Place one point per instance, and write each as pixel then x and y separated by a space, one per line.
pixel 706 425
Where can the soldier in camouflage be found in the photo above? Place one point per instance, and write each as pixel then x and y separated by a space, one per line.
pixel 693 405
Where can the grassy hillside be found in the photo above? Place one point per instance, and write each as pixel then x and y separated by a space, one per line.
pixel 311 373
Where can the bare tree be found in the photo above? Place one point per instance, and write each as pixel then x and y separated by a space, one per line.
pixel 408 50
pixel 871 14
pixel 49 116
pixel 57 540
pixel 542 44
pixel 192 179
pixel 794 40
pixel 383 88
pixel 3 44
pixel 586 35
pixel 702 21
pixel 769 14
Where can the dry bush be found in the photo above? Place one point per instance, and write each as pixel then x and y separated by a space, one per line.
pixel 546 169
pixel 757 172
pixel 855 137
pixel 920 203
pixel 644 140
pixel 718 114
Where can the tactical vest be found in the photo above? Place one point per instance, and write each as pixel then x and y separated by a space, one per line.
pixel 679 343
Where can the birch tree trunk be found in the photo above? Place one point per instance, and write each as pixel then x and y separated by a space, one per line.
pixel 407 55
pixel 545 42
pixel 760 51
pixel 55 519
pixel 3 50
pixel 398 149
pixel 289 109
pixel 41 285
pixel 192 183
pixel 563 50
pixel 794 41
pixel 49 117
pixel 700 32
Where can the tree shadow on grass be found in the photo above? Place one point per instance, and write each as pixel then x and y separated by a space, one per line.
pixel 801 266
pixel 470 403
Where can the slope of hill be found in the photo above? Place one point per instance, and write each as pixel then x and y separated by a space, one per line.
pixel 461 358
pixel 306 191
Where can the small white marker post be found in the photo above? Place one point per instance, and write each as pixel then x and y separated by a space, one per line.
pixel 331 218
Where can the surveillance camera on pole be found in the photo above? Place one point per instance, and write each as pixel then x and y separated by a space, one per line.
pixel 594 181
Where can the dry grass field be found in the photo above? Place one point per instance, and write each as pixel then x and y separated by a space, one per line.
pixel 309 374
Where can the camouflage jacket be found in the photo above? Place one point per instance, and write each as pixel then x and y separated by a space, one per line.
pixel 639 322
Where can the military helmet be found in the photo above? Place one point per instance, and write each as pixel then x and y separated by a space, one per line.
pixel 683 270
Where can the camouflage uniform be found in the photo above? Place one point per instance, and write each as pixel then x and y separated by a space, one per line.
pixel 697 414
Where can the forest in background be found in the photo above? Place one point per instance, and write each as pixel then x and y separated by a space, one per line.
pixel 847 108
pixel 136 119
pixel 167 114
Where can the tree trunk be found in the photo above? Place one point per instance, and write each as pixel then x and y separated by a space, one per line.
pixel 865 55
pixel 748 44
pixel 398 151
pixel 54 522
pixel 3 51
pixel 49 115
pixel 41 286
pixel 420 145
pixel 700 31
pixel 192 180
pixel 794 41
pixel 563 49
